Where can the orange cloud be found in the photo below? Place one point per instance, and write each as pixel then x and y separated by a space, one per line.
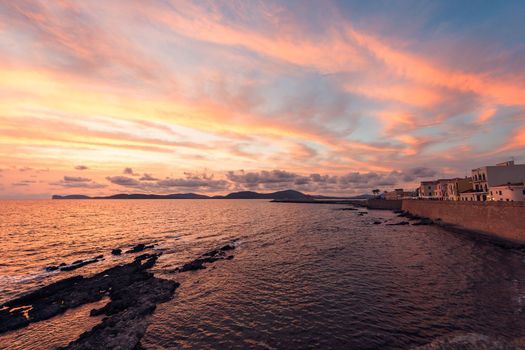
pixel 486 115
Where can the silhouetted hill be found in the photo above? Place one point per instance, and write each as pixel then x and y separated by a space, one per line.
pixel 72 196
pixel 155 196
pixel 287 194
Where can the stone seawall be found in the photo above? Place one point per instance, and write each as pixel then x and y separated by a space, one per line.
pixel 501 219
pixel 383 204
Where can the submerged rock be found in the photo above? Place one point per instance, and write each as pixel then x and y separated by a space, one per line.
pixel 399 223
pixel 197 264
pixel 377 222
pixel 75 264
pixel 423 221
pixel 139 247
pixel 209 257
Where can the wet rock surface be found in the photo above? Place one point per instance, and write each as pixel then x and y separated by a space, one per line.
pixel 401 223
pixel 127 311
pixel 424 221
pixel 208 258
pixel 473 341
pixel 75 264
pixel 56 298
pixel 140 247
pixel 134 293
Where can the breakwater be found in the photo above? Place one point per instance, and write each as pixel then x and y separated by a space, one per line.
pixel 499 219
pixel 383 204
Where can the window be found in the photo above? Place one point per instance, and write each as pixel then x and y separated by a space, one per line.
pixel 500 193
pixel 483 176
pixel 523 191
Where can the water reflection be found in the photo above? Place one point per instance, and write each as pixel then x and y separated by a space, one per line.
pixel 303 276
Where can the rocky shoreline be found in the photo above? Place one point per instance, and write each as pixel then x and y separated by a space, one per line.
pixel 134 293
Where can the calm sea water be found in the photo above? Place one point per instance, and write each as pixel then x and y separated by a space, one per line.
pixel 303 276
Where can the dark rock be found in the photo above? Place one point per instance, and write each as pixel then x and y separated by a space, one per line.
pixel 399 223
pixel 139 247
pixel 58 297
pixel 80 263
pixel 116 251
pixel 196 264
pixel 208 258
pixel 127 312
pixel 423 221
pixel 228 247
pixel 377 223
pixel 75 264
pixel 346 209
pixel 212 253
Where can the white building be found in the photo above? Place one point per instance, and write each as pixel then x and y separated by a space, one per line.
pixel 512 192
pixel 489 176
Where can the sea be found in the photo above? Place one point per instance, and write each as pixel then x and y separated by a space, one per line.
pixel 304 276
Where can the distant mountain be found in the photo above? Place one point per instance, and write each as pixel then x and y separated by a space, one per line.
pixel 137 196
pixel 155 196
pixel 72 196
pixel 288 194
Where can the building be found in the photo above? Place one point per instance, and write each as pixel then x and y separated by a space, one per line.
pixel 441 189
pixel 456 186
pixel 511 192
pixel 489 176
pixel 399 193
pixel 427 189
pixel 469 196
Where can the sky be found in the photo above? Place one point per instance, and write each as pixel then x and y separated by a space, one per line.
pixel 326 97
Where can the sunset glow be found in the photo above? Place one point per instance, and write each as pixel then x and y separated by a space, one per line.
pixel 103 97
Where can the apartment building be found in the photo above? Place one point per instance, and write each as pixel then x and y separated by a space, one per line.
pixel 456 186
pixel 490 176
pixel 427 189
pixel 511 192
